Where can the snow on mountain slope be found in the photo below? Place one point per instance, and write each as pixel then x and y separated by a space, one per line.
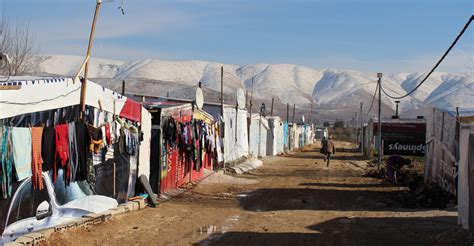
pixel 328 89
pixel 425 90
pixel 454 91
pixel 289 83
pixel 346 89
pixel 68 66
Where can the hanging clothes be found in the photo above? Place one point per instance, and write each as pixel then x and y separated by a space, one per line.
pixel 62 149
pixel 21 139
pixel 96 138
pixel 37 160
pixel 95 152
pixel 2 171
pixel 108 136
pixel 73 154
pixel 48 151
pixel 82 144
pixel 7 163
pixel 170 131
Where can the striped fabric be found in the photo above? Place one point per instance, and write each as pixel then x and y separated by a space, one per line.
pixel 37 160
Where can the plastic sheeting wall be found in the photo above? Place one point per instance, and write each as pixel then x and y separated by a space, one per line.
pixel 145 146
pixel 286 134
pixel 235 140
pixel 275 136
pixel 45 94
pixel 258 136
pixel 466 166
pixel 440 160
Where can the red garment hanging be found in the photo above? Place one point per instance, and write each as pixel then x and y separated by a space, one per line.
pixel 62 151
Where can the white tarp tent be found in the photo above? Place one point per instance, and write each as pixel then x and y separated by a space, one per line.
pixel 235 140
pixel 40 94
pixel 145 146
pixel 440 160
pixel 275 136
pixel 466 168
pixel 258 136
pixel 51 93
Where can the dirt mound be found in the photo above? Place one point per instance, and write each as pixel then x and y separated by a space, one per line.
pixel 420 194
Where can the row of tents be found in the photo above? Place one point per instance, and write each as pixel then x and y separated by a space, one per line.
pixel 168 142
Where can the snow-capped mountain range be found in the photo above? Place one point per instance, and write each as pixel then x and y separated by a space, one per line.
pixel 334 93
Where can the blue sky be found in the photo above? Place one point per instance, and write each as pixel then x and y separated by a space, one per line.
pixel 369 35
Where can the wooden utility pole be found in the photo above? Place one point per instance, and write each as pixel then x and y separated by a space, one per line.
pixel 271 112
pixel 246 99
pixel 250 112
pixel 123 87
pixel 354 127
pixel 379 159
pixel 288 123
pixel 251 103
pixel 294 108
pixel 86 69
pixel 222 91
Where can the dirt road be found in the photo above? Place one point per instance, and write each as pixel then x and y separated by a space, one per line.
pixel 293 200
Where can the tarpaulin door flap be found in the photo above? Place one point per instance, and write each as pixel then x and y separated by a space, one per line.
pixel 131 110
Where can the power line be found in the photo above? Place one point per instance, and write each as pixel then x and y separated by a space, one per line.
pixel 373 99
pixel 44 100
pixel 436 65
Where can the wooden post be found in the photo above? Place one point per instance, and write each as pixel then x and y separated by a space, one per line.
pixel 246 97
pixel 294 109
pixel 86 69
pixel 221 128
pixel 288 123
pixel 123 87
pixel 250 113
pixel 222 91
pixel 271 112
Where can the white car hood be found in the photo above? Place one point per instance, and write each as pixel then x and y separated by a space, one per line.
pixel 93 204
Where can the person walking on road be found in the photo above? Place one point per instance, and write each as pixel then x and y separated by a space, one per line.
pixel 327 148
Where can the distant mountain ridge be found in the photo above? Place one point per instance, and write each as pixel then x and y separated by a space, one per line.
pixel 328 89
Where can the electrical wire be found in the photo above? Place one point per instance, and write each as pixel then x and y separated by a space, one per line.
pixel 436 65
pixel 373 98
pixel 41 101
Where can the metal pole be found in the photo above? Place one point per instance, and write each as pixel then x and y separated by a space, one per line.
pixel 379 161
pixel 396 111
pixel 86 69
pixel 123 87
